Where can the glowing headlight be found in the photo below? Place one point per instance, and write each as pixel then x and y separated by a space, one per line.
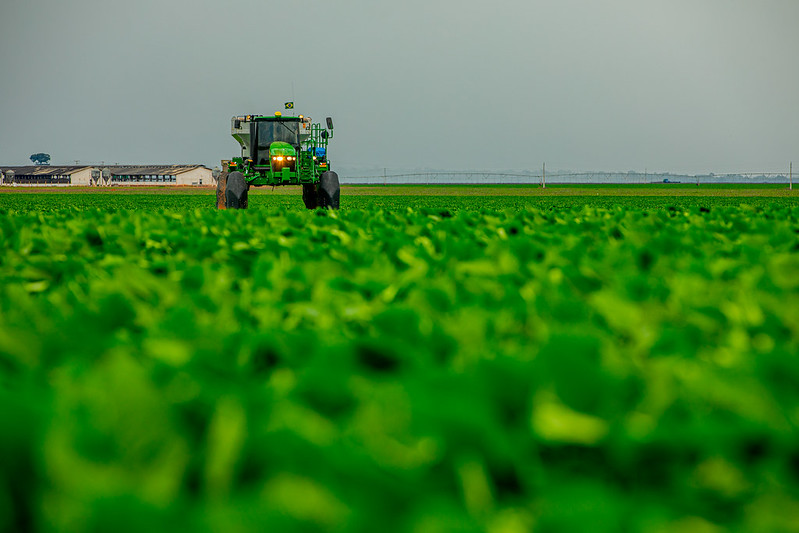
pixel 279 158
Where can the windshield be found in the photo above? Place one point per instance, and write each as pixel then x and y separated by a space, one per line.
pixel 269 132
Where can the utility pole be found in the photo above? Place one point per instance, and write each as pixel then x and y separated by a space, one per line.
pixel 384 176
pixel 544 177
pixel 790 177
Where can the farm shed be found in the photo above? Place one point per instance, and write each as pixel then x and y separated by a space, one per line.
pixel 46 175
pixel 160 175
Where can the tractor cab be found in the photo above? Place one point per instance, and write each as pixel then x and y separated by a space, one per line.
pixel 274 139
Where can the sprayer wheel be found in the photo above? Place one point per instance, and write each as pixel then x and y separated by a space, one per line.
pixel 236 191
pixel 329 190
pixel 310 195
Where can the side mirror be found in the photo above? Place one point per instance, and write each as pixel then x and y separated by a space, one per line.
pixel 329 123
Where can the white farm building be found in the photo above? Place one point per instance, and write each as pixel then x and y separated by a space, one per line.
pixel 46 175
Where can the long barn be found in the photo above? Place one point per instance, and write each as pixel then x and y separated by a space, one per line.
pixel 82 175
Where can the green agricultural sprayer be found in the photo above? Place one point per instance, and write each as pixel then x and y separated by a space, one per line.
pixel 279 150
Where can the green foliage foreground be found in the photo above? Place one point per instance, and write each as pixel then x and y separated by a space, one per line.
pixel 417 370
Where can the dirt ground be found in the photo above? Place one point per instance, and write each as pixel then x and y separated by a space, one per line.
pixel 448 190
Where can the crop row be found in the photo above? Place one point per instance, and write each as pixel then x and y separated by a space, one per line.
pixel 264 201
pixel 428 369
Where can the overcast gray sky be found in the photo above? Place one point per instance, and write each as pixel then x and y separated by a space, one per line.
pixel 678 85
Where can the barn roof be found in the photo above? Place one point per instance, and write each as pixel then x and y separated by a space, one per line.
pixel 116 170
pixel 44 170
pixel 151 170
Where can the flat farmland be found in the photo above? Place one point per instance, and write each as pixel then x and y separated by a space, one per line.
pixel 556 189
pixel 401 196
pixel 444 358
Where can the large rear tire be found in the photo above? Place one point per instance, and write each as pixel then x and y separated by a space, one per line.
pixel 220 190
pixel 310 195
pixel 329 190
pixel 236 191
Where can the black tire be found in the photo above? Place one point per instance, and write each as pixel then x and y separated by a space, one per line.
pixel 329 190
pixel 310 196
pixel 236 191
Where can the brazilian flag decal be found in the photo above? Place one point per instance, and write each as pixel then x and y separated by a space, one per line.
pixel 289 105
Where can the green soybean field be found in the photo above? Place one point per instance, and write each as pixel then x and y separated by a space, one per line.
pixel 423 362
